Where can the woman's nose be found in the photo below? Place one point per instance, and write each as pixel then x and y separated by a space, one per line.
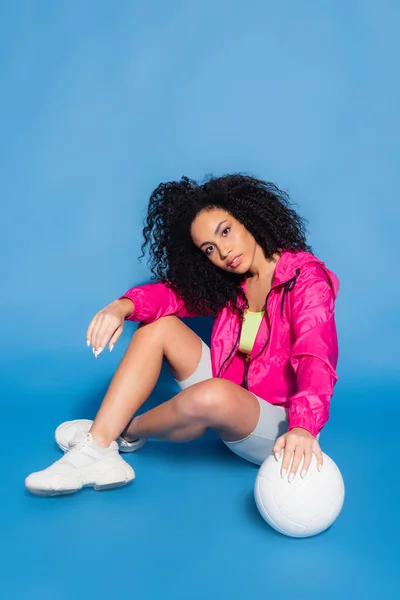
pixel 224 252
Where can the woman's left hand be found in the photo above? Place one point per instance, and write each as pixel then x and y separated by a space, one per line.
pixel 296 443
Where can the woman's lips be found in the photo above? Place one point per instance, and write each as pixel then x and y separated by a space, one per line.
pixel 236 262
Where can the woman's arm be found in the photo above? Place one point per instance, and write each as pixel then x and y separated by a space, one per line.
pixel 314 351
pixel 154 300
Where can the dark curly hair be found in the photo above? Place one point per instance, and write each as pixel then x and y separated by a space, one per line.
pixel 263 209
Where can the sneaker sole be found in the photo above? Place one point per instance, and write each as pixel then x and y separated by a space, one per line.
pixel 51 492
pixel 134 446
pixel 96 487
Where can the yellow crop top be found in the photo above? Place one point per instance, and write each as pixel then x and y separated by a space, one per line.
pixel 251 323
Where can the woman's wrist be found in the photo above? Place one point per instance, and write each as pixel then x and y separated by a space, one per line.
pixel 126 305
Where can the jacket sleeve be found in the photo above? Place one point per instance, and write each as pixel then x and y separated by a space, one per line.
pixel 314 350
pixel 154 300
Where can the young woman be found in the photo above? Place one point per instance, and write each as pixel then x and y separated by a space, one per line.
pixel 233 248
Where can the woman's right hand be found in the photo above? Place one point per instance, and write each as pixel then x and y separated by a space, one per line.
pixel 107 325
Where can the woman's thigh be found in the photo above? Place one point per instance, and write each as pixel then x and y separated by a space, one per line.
pixel 200 369
pixel 231 410
pixel 258 445
pixel 181 346
pixel 248 425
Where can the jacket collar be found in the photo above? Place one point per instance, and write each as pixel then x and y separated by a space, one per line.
pixel 289 262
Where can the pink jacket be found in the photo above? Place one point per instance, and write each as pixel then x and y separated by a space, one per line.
pixel 295 353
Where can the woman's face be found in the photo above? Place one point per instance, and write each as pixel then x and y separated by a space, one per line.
pixel 222 238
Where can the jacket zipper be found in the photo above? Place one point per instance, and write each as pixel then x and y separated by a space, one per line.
pixel 291 283
pixel 230 353
pixel 246 375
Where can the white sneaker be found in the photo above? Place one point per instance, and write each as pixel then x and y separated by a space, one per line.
pixel 66 432
pixel 85 464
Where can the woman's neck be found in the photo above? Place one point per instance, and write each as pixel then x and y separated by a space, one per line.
pixel 262 270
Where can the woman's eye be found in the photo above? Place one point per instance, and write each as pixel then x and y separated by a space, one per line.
pixel 209 249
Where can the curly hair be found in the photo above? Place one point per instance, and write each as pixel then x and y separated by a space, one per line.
pixel 263 209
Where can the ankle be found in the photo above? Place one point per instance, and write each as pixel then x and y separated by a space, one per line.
pixel 129 434
pixel 101 440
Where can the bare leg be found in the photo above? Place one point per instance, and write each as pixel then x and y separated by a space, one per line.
pixel 229 409
pixel 168 422
pixel 139 370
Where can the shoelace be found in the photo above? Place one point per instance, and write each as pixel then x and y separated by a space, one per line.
pixel 78 443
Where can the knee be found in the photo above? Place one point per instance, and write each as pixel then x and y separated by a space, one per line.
pixel 205 400
pixel 157 327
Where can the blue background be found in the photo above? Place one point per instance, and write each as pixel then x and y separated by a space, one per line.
pixel 100 102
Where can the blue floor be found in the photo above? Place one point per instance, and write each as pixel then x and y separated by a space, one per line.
pixel 187 527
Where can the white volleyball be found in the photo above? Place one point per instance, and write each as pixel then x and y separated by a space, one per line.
pixel 306 506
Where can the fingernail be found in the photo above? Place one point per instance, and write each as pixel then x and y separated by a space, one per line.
pixel 111 347
pixel 88 342
pixel 94 351
pixel 283 473
pixel 291 477
pixel 277 456
pixel 99 351
pixel 303 473
pixel 319 467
